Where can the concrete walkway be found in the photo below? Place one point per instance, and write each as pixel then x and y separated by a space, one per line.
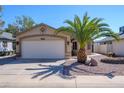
pixel 9 56
pixel 57 82
pixel 27 73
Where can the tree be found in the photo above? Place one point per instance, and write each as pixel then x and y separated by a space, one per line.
pixel 24 22
pixel 1 21
pixel 11 29
pixel 85 31
pixel 21 24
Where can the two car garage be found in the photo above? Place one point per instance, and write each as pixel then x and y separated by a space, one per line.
pixel 49 49
pixel 42 42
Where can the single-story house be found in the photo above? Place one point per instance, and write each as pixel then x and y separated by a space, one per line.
pixel 42 42
pixel 6 42
pixel 110 45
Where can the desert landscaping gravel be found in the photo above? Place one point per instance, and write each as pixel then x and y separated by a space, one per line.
pixel 72 68
pixel 101 69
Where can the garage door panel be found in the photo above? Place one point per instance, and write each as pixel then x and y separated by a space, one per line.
pixel 43 49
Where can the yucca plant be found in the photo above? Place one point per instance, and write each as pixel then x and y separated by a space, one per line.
pixel 85 31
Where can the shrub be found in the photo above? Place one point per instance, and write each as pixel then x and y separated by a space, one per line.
pixel 111 54
pixel 2 53
pixel 117 60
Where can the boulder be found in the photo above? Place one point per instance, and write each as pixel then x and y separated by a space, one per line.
pixel 88 61
pixel 91 62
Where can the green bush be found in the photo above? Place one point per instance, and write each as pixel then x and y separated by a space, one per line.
pixel 2 53
pixel 6 53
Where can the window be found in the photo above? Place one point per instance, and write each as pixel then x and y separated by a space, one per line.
pixel 109 42
pixel 74 45
pixel 102 43
pixel 4 43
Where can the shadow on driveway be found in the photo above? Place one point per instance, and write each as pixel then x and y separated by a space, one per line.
pixel 7 60
pixel 14 60
pixel 63 71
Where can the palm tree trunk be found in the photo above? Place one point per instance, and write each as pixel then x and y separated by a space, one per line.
pixel 81 55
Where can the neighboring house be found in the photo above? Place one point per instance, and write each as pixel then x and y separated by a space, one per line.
pixel 109 45
pixel 42 42
pixel 103 46
pixel 6 42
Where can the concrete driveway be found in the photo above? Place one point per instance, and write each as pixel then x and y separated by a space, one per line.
pixel 29 73
pixel 45 73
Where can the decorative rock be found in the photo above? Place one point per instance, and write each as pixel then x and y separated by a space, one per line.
pixel 91 62
pixel 88 61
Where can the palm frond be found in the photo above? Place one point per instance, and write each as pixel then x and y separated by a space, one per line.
pixel 78 20
pixel 108 34
pixel 88 29
pixel 69 23
pixel 103 25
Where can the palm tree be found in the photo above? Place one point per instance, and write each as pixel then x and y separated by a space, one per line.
pixel 85 31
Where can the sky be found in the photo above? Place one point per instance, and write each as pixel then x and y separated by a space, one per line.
pixel 55 15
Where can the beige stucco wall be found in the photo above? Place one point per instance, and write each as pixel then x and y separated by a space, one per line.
pixel 100 48
pixel 103 49
pixel 48 34
pixel 118 47
pixel 96 47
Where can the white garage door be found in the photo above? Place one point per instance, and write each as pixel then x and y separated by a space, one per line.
pixel 47 49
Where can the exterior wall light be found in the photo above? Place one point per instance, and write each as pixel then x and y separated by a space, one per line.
pixel 17 42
